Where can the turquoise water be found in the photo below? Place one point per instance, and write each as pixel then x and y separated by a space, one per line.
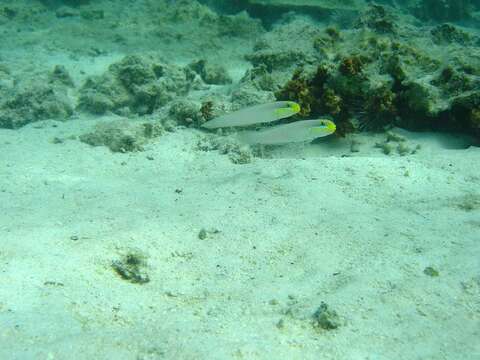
pixel 248 179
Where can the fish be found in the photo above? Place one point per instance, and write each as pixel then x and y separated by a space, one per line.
pixel 257 114
pixel 298 131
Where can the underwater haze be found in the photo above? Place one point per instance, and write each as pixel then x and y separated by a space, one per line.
pixel 240 179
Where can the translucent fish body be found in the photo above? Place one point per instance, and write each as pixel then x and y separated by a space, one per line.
pixel 257 114
pixel 298 131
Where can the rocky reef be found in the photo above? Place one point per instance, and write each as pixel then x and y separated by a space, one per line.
pixel 414 64
pixel 135 84
pixel 382 72
pixel 444 10
pixel 28 99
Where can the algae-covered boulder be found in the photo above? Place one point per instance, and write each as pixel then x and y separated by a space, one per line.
pixel 7 13
pixel 135 84
pixel 466 111
pixel 274 59
pixel 237 153
pixel 211 73
pixel 444 10
pixel 260 78
pixel 379 19
pixel 447 34
pixel 101 94
pixel 122 135
pixel 416 104
pixel 187 113
pixel 32 100
pixel 60 76
pixel 286 47
pixel 370 79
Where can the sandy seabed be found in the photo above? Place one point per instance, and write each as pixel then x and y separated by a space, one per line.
pixel 311 252
pixel 239 257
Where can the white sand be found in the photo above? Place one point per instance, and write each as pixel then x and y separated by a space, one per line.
pixel 284 234
pixel 355 232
